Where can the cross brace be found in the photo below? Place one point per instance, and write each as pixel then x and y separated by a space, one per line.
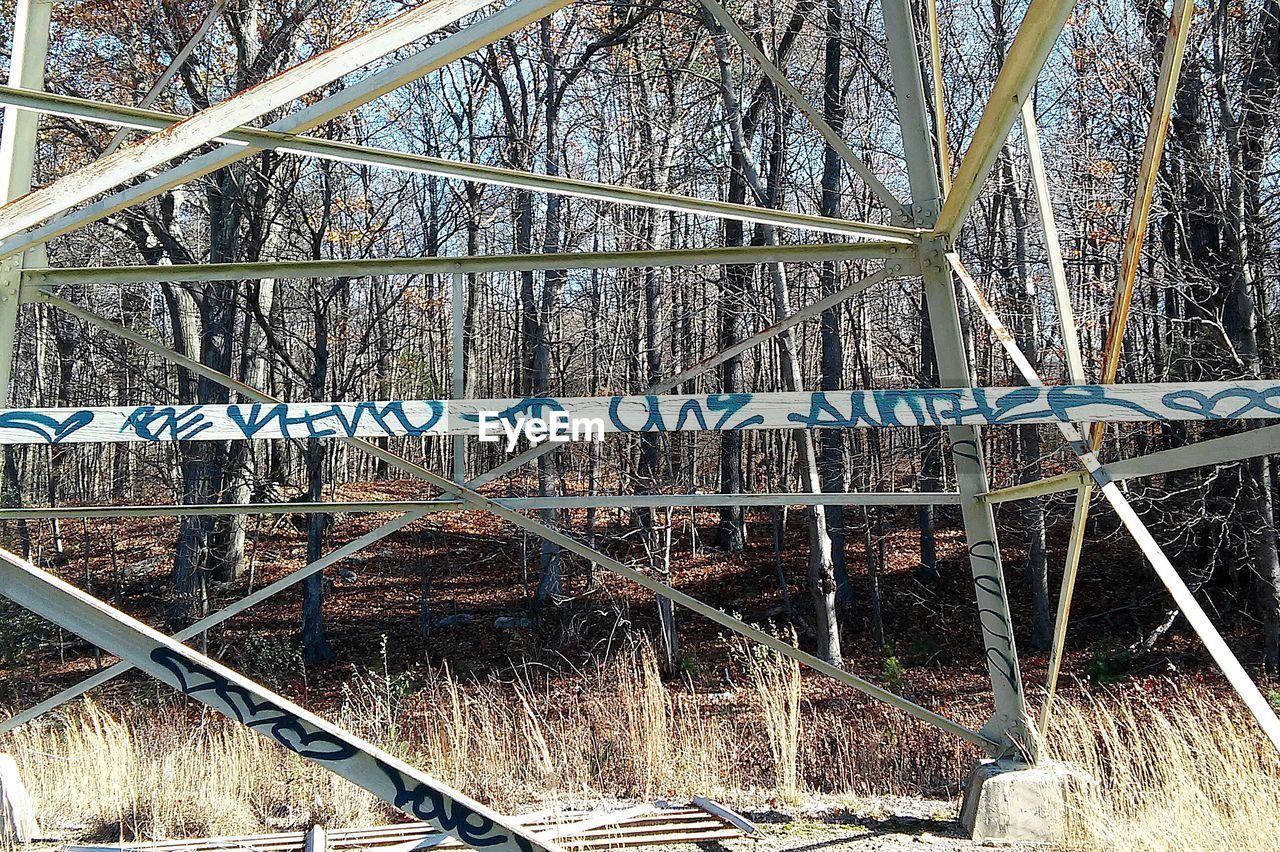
pixel 416 793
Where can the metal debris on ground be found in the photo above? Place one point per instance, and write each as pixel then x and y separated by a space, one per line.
pixel 659 824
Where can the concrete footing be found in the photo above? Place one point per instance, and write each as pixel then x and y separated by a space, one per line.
pixel 1018 805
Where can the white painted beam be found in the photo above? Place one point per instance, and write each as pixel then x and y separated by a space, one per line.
pixel 208 124
pixel 855 409
pixel 172 69
pixel 1166 85
pixel 1027 55
pixel 17 161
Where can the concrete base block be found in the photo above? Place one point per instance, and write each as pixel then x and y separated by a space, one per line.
pixel 1024 805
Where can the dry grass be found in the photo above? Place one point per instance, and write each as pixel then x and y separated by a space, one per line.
pixel 150 773
pixel 1185 774
pixel 777 685
pixel 1190 771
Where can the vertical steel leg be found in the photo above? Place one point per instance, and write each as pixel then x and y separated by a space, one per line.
pixel 17 159
pixel 1009 723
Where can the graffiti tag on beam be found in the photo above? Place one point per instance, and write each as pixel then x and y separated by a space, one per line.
pixel 665 413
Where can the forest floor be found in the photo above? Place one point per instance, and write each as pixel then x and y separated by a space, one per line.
pixel 439 657
pixel 454 589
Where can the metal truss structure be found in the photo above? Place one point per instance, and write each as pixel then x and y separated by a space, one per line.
pixel 919 244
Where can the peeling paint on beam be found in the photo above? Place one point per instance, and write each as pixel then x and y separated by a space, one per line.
pixel 191 132
pixel 512 17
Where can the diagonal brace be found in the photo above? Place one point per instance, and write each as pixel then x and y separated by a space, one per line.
pixel 216 618
pixel 241 699
pixel 797 98
pixel 208 124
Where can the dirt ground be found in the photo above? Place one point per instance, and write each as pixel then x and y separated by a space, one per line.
pixel 855 824
pixel 865 824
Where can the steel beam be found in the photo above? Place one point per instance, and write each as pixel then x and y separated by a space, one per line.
pixel 939 96
pixel 568 502
pixel 457 365
pixel 1214 451
pixel 1182 595
pixel 1008 724
pixel 507 20
pixel 1148 173
pixel 1028 53
pixel 172 69
pixel 17 161
pixel 506 420
pixel 271 94
pixel 479 501
pixel 1040 488
pixel 249 140
pixel 808 312
pixel 235 696
pixel 1162 111
pixel 1053 248
pixel 1075 371
pixel 902 257
pixel 798 100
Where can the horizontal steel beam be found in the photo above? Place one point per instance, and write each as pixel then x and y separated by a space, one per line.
pixel 619 501
pixel 257 139
pixel 534 420
pixel 290 269
pixel 1041 487
pixel 1228 448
